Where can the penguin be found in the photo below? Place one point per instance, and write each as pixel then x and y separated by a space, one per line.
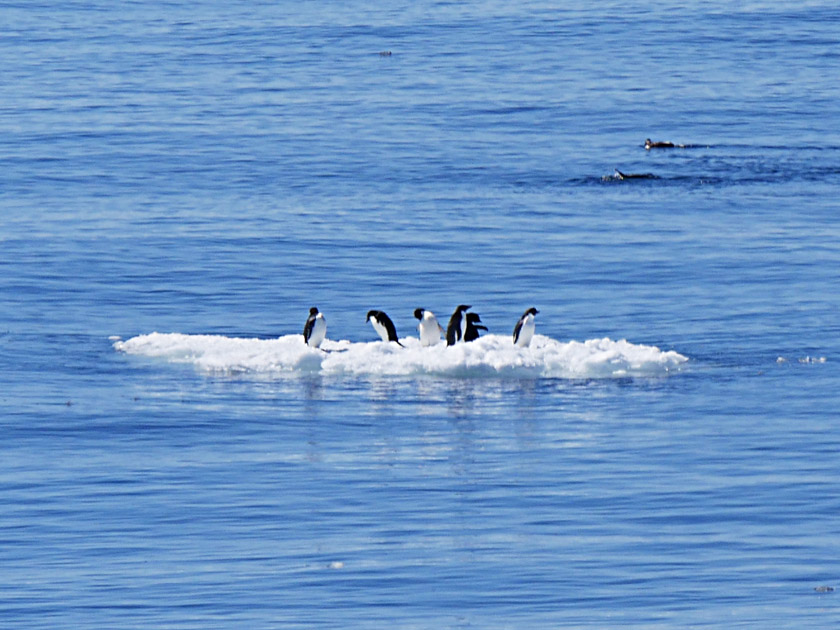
pixel 383 325
pixel 457 325
pixel 429 328
pixel 623 176
pixel 650 144
pixel 315 328
pixel 524 329
pixel 473 326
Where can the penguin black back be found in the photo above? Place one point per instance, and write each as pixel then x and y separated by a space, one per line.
pixel 453 330
pixel 381 319
pixel 473 326
pixel 310 322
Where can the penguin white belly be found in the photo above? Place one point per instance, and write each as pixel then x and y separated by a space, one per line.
pixel 379 328
pixel 526 333
pixel 319 331
pixel 429 330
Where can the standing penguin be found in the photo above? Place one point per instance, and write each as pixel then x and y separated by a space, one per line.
pixel 457 325
pixel 383 325
pixel 315 328
pixel 428 327
pixel 524 329
pixel 473 326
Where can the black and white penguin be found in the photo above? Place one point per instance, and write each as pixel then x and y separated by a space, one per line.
pixel 473 326
pixel 457 325
pixel 623 176
pixel 524 329
pixel 429 328
pixel 315 328
pixel 383 325
pixel 650 144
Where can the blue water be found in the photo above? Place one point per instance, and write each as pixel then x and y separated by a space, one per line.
pixel 216 168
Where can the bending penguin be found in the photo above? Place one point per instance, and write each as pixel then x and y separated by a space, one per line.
pixel 383 325
pixel 473 326
pixel 457 325
pixel 428 327
pixel 524 329
pixel 315 328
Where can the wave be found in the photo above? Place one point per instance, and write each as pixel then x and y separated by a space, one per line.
pixel 489 356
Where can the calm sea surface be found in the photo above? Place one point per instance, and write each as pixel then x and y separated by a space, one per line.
pixel 215 168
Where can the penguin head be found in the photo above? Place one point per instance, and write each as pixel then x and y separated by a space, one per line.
pixel 372 315
pixel 418 312
pixel 531 311
pixel 463 307
pixel 313 310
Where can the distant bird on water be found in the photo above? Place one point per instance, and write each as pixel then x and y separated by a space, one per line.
pixel 623 176
pixel 650 144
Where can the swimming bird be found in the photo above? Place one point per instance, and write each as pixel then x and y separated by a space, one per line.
pixel 383 325
pixel 649 144
pixel 315 328
pixel 622 176
pixel 473 326
pixel 524 329
pixel 457 325
pixel 429 328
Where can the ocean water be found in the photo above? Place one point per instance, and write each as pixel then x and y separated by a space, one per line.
pixel 181 182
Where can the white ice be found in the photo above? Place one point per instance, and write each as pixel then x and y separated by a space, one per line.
pixel 491 355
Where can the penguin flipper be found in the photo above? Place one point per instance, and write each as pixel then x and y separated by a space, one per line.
pixel 516 330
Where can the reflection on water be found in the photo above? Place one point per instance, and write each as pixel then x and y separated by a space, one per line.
pixel 312 386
